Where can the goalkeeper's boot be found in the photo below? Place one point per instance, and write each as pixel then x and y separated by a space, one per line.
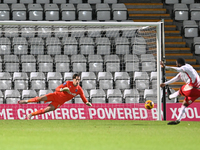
pixel 22 101
pixel 28 117
pixel 173 122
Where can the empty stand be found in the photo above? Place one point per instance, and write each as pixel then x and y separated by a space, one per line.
pixel 84 12
pixel 45 63
pixel 37 81
pixel 88 80
pixel 105 80
pixel 51 12
pixel 86 46
pixel 112 63
pixel 122 80
pixel 54 80
pixel 19 12
pixel 62 63
pixel 95 63
pixel 190 28
pixel 28 63
pixel 103 12
pixel 12 96
pixel 5 12
pixel 181 12
pixel 97 96
pixel 5 81
pixel 141 80
pixel 20 80
pixel 131 96
pixel 11 63
pixel 103 46
pixel 28 94
pixel 20 45
pixel 53 45
pixel 114 96
pixel 68 12
pixel 78 63
pixel 35 12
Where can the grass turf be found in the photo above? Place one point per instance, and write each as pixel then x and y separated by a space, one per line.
pixel 97 135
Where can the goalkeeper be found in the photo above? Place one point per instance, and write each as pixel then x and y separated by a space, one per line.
pixel 62 94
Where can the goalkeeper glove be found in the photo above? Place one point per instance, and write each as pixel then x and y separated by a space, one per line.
pixel 88 103
pixel 65 89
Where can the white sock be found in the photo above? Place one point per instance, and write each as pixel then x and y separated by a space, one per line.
pixel 174 95
pixel 182 111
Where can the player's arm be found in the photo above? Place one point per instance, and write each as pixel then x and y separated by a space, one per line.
pixel 84 99
pixel 174 69
pixel 63 88
pixel 174 79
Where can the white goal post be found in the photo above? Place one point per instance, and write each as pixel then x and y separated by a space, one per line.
pixel 148 32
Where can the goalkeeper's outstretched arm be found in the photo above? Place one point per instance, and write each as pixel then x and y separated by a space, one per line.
pixel 84 98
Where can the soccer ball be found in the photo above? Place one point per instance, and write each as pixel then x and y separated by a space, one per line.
pixel 149 104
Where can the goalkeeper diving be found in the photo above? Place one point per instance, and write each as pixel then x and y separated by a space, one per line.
pixel 62 94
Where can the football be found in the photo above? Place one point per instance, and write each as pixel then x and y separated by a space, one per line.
pixel 149 104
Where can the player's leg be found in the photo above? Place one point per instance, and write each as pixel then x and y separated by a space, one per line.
pixel 33 100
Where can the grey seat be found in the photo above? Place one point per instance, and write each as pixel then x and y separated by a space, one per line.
pixel 95 63
pixel 86 45
pixel 11 63
pixel 84 12
pixel 195 11
pixel 139 45
pixel 119 11
pixel 77 32
pixel 78 99
pixel 122 80
pixel 78 63
pixel 114 96
pixel 75 1
pixel 44 31
pixel 18 12
pixel 196 44
pixel 105 80
pixel 53 45
pixel 10 1
pixel 94 32
pixel 26 1
pixel 51 12
pixel 59 1
pixel 110 1
pixel 44 92
pixel 103 12
pixel 28 63
pixel 103 46
pixel 150 94
pixel 42 1
pixel 131 96
pixel 88 80
pixel 112 63
pixel 5 46
pixel 28 31
pixel 94 1
pixel 5 12
pixel 1 63
pixel 20 45
pixel 27 94
pixel 45 63
pixel 70 46
pixel 5 81
pixel 37 46
pixel 129 32
pixel 131 63
pixel 187 1
pixel 171 1
pixel 181 12
pixel 122 45
pixel 112 32
pixel 20 81
pixel 141 80
pixel 61 31
pixel 148 62
pixel 97 96
pixel 54 79
pixel 35 12
pixel 12 96
pixel 153 79
pixel 190 28
pixel 11 31
pixel 68 12
pixel 37 80
pixel 68 76
pixel 62 63
pixel 1 98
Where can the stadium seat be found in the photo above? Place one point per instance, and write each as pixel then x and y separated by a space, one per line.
pixel 70 46
pixel 62 63
pixel 110 1
pixel 150 94
pixel 45 63
pixel 171 1
pixel 26 1
pixel 190 28
pixel 35 12
pixel 78 63
pixel 112 32
pixel 11 31
pixel 77 32
pixel 68 12
pixel 148 62
pixel 28 31
pixel 20 81
pixel 28 63
pixel 128 32
pixel 138 45
pixel 37 80
pixel 141 80
pixel 131 63
pixel 53 45
pixel 105 80
pixel 122 80
pixel 103 12
pixel 18 12
pixel 51 12
pixel 119 11
pixel 84 12
pixel 5 12
pixel 196 44
pixel 195 11
pixel 94 1
pixel 103 46
pixel 114 96
pixel 86 46
pixel 75 1
pixel 61 31
pixel 1 98
pixel 54 80
pixel 122 45
pixel 5 46
pixel 112 63
pixel 59 1
pixel 95 63
pixel 1 63
pixel 36 46
pixel 11 63
pixel 10 1
pixel 78 99
pixel 131 96
pixel 153 79
pixel 88 80
pixel 68 76
pixel 12 96
pixel 20 45
pixel 44 92
pixel 28 94
pixel 5 81
pixel 187 1
pixel 97 96
pixel 181 12
pixel 94 32
pixel 44 31
pixel 42 1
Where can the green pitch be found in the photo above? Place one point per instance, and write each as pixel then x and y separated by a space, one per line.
pixel 97 135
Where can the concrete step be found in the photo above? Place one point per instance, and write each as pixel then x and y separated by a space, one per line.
pixel 173 61
pixel 177 55
pixel 175 44
pixel 177 50
pixel 166 21
pixel 149 16
pixel 173 38
pixel 172 33
pixel 146 10
pixel 170 27
pixel 144 5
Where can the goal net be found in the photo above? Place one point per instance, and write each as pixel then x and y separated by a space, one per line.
pixel 118 63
